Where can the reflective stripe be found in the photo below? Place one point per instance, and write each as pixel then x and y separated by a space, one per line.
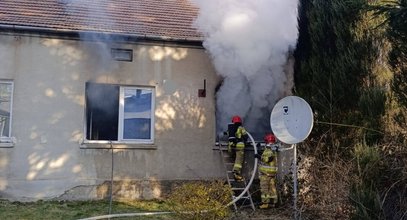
pixel 240 146
pixel 267 169
pixel 267 196
pixel 237 166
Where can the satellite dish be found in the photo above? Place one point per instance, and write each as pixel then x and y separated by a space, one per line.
pixel 291 120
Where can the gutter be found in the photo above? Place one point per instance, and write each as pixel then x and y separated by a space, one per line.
pixel 99 36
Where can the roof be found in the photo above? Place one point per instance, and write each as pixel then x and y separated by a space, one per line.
pixel 162 19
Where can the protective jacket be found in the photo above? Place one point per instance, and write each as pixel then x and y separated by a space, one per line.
pixel 268 161
pixel 237 136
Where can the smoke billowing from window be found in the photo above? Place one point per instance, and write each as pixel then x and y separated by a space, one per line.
pixel 250 43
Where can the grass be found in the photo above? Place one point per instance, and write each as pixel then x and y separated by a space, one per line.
pixel 78 209
pixel 190 197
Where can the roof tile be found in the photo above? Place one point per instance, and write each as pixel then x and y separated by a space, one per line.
pixel 171 19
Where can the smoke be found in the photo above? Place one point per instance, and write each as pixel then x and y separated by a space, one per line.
pixel 250 44
pixel 96 38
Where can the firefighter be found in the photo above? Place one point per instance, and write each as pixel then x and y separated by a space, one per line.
pixel 268 172
pixel 237 139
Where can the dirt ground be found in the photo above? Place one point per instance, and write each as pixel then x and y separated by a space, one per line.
pixel 273 213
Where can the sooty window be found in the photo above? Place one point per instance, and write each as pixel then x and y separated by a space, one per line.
pixel 119 113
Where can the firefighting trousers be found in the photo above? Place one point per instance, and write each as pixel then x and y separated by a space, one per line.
pixel 237 167
pixel 268 188
pixel 231 148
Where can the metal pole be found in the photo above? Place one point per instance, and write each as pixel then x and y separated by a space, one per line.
pixel 111 181
pixel 295 181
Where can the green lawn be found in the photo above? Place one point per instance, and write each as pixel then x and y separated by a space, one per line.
pixel 78 209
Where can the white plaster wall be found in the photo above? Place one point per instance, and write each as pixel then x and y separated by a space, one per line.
pixel 48 115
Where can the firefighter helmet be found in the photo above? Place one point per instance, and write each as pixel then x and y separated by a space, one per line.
pixel 236 119
pixel 269 139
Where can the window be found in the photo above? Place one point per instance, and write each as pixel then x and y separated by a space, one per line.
pixel 119 113
pixel 122 54
pixel 6 102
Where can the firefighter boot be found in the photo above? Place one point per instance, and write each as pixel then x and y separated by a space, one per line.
pixel 264 206
pixel 237 176
pixel 267 205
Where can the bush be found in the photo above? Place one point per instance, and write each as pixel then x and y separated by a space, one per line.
pixel 201 200
pixel 366 201
pixel 372 106
pixel 364 193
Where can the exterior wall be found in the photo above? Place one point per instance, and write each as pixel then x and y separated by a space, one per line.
pixel 50 159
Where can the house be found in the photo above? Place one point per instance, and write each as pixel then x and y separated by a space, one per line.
pixel 94 91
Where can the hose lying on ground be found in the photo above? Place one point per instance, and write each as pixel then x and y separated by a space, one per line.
pixel 164 213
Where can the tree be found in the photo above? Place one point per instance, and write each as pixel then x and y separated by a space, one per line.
pixel 333 60
pixel 396 13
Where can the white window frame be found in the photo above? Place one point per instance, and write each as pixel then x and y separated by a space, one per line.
pixel 121 115
pixel 119 141
pixel 9 138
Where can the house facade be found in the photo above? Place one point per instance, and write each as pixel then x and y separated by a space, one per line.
pixel 94 93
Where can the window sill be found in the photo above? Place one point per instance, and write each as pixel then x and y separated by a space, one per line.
pixel 6 145
pixel 7 142
pixel 87 144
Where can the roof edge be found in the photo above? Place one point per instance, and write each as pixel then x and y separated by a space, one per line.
pixel 98 36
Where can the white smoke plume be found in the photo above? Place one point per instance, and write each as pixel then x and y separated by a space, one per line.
pixel 250 42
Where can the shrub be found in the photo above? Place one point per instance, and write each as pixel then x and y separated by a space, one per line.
pixel 364 193
pixel 201 200
pixel 372 106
